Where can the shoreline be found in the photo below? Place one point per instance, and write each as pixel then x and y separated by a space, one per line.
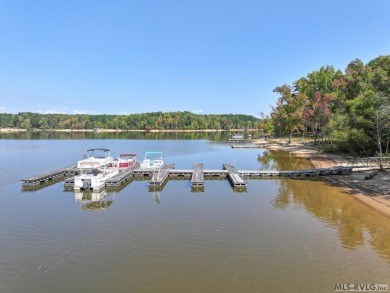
pixel 10 130
pixel 374 193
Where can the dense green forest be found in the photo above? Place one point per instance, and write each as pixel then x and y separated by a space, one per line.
pixel 344 111
pixel 145 121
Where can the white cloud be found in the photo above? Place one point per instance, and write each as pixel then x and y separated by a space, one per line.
pixel 61 111
pixel 50 111
pixel 197 111
pixel 75 111
pixel 2 109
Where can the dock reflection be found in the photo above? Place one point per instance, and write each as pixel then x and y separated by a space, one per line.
pixel 94 201
pixel 156 196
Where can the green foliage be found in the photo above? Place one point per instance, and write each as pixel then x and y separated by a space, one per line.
pixel 351 110
pixel 143 121
pixel 287 114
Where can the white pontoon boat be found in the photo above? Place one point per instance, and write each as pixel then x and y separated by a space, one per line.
pixel 152 160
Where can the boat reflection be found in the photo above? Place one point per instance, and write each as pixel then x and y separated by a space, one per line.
pixel 94 201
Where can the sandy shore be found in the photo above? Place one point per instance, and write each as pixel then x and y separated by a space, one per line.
pixel 374 192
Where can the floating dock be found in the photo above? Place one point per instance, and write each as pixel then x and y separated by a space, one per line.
pixel 247 146
pixel 49 176
pixel 197 178
pixel 234 177
pixel 122 177
pixel 297 173
pixel 160 176
pixel 197 175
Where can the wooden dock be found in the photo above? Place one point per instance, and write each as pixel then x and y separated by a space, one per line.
pixel 246 146
pixel 197 178
pixel 297 173
pixel 234 177
pixel 49 176
pixel 69 183
pixel 121 177
pixel 158 179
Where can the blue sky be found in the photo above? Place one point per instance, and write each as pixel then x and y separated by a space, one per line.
pixel 208 57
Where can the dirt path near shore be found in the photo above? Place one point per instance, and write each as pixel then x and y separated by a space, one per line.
pixel 374 193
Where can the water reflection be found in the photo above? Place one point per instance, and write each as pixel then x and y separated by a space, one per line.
pixel 93 201
pixel 213 136
pixel 356 223
pixel 217 241
pixel 266 160
pixel 41 185
pixel 156 196
pixel 278 160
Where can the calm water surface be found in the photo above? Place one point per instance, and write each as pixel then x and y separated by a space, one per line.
pixel 278 236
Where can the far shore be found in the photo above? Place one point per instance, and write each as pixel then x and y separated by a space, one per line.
pixel 374 192
pixel 124 130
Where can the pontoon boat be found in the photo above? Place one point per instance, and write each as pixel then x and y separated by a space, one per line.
pixel 152 160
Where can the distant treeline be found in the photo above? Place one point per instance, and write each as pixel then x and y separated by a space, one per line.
pixel 144 121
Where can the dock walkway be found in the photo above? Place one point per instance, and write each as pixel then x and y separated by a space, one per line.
pixel 122 177
pixel 159 177
pixel 246 146
pixel 235 177
pixel 42 178
pixel 297 173
pixel 197 179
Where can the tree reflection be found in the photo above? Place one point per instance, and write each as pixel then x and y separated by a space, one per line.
pixel 36 135
pixel 277 160
pixel 283 199
pixel 330 205
pixel 266 160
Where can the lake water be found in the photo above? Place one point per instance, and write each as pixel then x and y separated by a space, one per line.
pixel 278 236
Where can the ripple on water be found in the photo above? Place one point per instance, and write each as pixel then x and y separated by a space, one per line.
pixel 278 236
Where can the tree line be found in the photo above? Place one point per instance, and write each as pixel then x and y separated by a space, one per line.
pixel 345 111
pixel 145 121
